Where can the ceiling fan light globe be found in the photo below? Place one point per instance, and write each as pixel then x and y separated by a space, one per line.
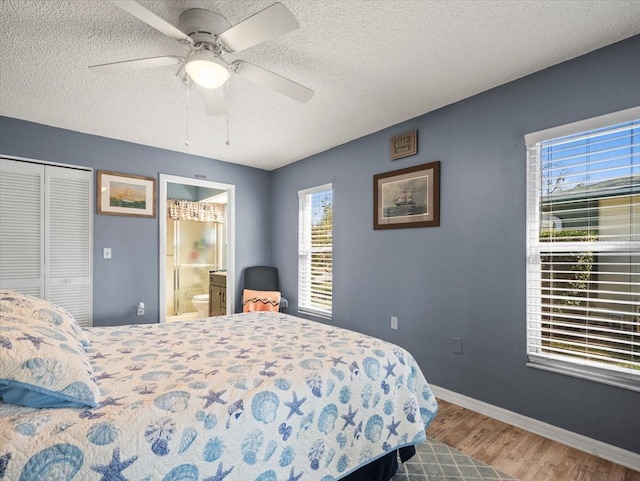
pixel 207 71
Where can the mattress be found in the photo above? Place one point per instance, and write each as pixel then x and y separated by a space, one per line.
pixel 256 396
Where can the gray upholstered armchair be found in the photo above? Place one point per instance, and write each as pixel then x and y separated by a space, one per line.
pixel 264 278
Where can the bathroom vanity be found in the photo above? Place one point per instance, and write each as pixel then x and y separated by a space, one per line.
pixel 217 293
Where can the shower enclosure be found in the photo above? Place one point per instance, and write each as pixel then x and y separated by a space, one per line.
pixel 194 248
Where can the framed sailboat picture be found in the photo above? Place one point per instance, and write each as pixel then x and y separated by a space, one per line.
pixel 125 194
pixel 407 197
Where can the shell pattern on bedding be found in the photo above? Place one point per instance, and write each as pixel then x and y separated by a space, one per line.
pixel 256 396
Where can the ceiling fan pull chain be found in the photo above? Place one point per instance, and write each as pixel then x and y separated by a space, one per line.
pixel 188 98
pixel 226 95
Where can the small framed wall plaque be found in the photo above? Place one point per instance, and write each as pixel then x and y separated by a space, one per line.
pixel 404 145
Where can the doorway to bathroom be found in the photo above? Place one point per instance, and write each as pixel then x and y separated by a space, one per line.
pixel 196 239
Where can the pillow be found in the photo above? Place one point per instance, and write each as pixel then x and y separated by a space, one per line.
pixel 253 301
pixel 13 302
pixel 43 366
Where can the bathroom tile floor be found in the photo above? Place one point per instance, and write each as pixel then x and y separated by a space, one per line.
pixel 189 316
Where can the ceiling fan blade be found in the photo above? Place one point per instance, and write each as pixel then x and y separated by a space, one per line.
pixel 264 25
pixel 214 101
pixel 150 18
pixel 273 81
pixel 139 64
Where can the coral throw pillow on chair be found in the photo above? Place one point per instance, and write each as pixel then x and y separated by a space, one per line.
pixel 253 301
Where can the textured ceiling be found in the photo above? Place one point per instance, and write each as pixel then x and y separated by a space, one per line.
pixel 371 63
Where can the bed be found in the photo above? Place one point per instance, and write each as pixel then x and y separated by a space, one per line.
pixel 254 396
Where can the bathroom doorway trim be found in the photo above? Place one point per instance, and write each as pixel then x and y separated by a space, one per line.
pixel 230 230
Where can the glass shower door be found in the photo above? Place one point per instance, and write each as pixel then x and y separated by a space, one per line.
pixel 195 255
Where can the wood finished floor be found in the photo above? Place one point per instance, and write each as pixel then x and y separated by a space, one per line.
pixel 517 452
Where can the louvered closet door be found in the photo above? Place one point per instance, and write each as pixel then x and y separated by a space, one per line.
pixel 68 241
pixel 45 234
pixel 22 227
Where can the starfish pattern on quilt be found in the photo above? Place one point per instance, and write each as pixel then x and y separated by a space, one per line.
pixel 213 397
pixel 294 406
pixel 393 428
pixel 227 405
pixel 220 474
pixel 293 476
pixel 348 418
pixel 113 470
pixel 389 368
pixel 36 341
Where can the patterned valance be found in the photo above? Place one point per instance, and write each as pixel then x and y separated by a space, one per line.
pixel 198 211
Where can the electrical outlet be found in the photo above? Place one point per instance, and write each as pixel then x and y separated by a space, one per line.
pixel 394 323
pixel 456 345
pixel 140 309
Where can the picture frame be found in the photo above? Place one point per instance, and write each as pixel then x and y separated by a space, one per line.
pixel 404 145
pixel 407 198
pixel 126 194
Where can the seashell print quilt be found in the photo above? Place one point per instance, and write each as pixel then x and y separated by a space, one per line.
pixel 259 396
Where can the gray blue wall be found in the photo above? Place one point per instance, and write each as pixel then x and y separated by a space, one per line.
pixel 190 192
pixel 465 278
pixel 132 274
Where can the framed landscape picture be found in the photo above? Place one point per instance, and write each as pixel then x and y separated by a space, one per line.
pixel 407 197
pixel 124 194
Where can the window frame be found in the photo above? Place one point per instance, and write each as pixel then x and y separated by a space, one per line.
pixel 305 292
pixel 576 367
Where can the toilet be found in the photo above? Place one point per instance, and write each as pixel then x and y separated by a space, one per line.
pixel 201 302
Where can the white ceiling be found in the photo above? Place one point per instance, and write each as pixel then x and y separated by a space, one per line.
pixel 372 64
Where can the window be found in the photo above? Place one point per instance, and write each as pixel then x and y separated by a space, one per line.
pixel 315 254
pixel 583 249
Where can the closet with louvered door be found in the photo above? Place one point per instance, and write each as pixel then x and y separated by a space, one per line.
pixel 46 234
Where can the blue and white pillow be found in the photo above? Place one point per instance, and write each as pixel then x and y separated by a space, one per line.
pixel 42 365
pixel 16 303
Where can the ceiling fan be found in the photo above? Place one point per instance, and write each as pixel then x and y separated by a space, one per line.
pixel 210 37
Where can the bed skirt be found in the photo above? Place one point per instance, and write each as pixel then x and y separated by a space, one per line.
pixel 382 469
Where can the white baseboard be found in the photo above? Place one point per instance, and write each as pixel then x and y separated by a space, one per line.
pixel 606 451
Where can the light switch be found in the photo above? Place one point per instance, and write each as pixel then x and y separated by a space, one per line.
pixel 106 253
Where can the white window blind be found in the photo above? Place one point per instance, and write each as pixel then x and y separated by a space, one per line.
pixel 583 249
pixel 315 251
